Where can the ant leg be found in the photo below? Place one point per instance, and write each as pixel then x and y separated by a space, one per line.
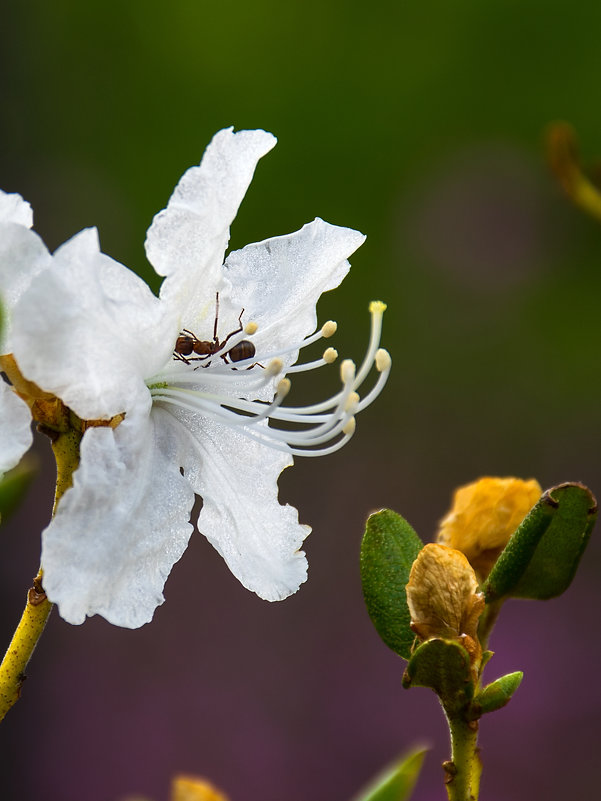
pixel 232 333
pixel 208 364
pixel 215 339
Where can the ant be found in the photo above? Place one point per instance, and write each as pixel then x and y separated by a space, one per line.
pixel 188 343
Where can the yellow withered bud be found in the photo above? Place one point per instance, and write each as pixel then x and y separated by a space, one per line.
pixel 483 517
pixel 190 788
pixel 443 598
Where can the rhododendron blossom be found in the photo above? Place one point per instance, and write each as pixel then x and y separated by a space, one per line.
pixel 193 384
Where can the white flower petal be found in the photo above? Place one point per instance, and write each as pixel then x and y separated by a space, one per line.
pixel 15 210
pixel 23 256
pixel 279 281
pixel 122 526
pixel 241 516
pixel 15 428
pixel 186 241
pixel 89 330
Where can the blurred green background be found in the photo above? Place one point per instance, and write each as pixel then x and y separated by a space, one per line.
pixel 421 125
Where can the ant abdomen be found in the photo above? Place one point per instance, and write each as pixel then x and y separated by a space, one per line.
pixel 242 350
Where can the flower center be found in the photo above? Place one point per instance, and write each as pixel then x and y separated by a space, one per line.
pixel 313 430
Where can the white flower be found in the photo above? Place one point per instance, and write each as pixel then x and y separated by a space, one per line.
pixel 91 332
pixel 22 256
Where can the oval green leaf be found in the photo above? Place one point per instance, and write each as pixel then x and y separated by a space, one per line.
pixel 556 558
pixel 541 558
pixel 389 548
pixel 444 666
pixel 498 693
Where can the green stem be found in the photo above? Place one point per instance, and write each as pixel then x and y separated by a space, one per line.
pixel 488 620
pixel 37 609
pixel 464 769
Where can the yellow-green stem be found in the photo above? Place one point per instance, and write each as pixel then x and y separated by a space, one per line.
pixel 464 769
pixel 488 620
pixel 37 609
pixel 25 638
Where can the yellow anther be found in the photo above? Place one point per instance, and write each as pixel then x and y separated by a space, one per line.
pixel 250 328
pixel 329 329
pixel 353 400
pixel 383 360
pixel 349 428
pixel 347 371
pixel 377 307
pixel 274 367
pixel 284 387
pixel 330 355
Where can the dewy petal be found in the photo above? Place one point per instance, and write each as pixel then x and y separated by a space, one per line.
pixel 122 526
pixel 279 281
pixel 15 210
pixel 90 330
pixel 23 256
pixel 186 241
pixel 15 428
pixel 259 538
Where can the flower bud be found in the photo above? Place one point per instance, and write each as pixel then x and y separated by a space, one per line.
pixel 443 599
pixel 190 788
pixel 483 517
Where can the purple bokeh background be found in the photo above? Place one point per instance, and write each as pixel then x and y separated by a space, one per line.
pixel 298 700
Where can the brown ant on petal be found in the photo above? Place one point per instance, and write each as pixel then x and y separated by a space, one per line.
pixel 188 343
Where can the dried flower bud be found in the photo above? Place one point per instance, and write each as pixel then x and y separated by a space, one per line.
pixel 190 788
pixel 443 599
pixel 483 517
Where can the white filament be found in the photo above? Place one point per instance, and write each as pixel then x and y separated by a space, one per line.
pixel 314 426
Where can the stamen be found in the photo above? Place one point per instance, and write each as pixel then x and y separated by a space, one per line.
pixel 383 365
pixel 376 309
pixel 209 392
pixel 352 402
pixel 274 367
pixel 383 360
pixel 349 428
pixel 347 371
pixel 329 357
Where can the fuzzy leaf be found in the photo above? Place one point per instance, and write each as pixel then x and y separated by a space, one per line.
pixel 389 548
pixel 498 693
pixel 556 559
pixel 541 558
pixel 397 781
pixel 514 559
pixel 444 666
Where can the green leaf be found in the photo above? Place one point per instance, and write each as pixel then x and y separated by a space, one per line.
pixel 397 781
pixel 514 559
pixel 556 559
pixel 541 558
pixel 15 484
pixel 498 693
pixel 444 666
pixel 389 548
